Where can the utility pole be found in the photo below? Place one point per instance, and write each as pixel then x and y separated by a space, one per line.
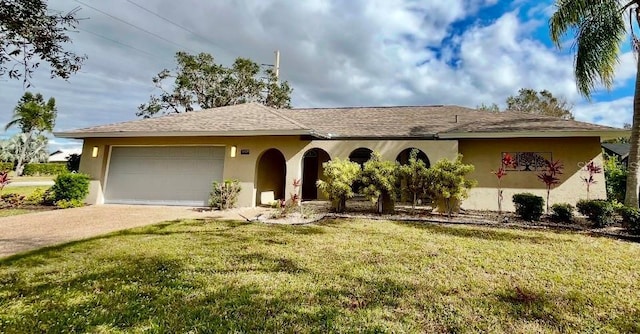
pixel 277 65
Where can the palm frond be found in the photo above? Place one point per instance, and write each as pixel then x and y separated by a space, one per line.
pixel 599 29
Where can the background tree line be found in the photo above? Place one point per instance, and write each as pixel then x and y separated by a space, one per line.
pixel 531 101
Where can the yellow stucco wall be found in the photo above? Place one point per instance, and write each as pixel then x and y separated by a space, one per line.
pixel 243 167
pixel 484 154
pixel 574 154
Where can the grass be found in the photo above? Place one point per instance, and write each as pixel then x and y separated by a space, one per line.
pixel 13 212
pixel 339 276
pixel 25 191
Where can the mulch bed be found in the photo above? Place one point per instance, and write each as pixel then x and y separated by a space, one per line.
pixel 317 211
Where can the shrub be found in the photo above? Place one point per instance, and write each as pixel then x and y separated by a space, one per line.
pixel 49 197
pixel 224 195
pixel 4 179
pixel 44 169
pixel 562 212
pixel 11 200
pixel 36 197
pixel 379 179
pixel 528 206
pixel 630 219
pixel 339 176
pixel 615 175
pixel 448 185
pixel 70 186
pixel 69 203
pixel 414 174
pixel 599 212
pixel 6 165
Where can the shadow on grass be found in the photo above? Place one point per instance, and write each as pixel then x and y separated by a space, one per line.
pixel 177 226
pixel 486 233
pixel 555 310
pixel 159 294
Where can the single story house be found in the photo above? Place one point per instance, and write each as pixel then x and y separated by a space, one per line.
pixel 173 159
pixel 618 150
pixel 61 156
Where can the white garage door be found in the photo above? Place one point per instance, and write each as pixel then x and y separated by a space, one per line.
pixel 176 175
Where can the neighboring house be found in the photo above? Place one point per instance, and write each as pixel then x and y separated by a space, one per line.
pixel 60 156
pixel 174 159
pixel 618 150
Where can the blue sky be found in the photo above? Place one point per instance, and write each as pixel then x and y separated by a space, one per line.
pixel 334 53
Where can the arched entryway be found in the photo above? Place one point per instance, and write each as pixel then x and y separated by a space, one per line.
pixel 403 157
pixel 359 155
pixel 271 175
pixel 312 171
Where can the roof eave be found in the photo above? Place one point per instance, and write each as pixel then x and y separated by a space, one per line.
pixel 603 134
pixel 122 134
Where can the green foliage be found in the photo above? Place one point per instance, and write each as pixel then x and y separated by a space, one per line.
pixel 6 166
pixel 49 197
pixel 69 203
pixel 630 219
pixel 71 186
pixel 199 81
pixel 224 195
pixel 615 175
pixel 73 162
pixel 599 212
pixel 33 115
pixel 542 103
pixel 32 150
pixel 44 169
pixel 31 33
pixel 448 184
pixel 599 30
pixel 562 212
pixel 11 200
pixel 415 174
pixel 528 206
pixel 36 197
pixel 339 176
pixel 488 107
pixel 379 178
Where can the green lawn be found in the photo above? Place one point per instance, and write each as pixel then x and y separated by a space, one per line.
pixel 26 191
pixel 340 276
pixel 13 212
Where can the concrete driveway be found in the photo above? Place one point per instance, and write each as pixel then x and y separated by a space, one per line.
pixel 36 230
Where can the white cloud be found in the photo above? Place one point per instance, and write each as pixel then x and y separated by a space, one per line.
pixel 334 53
pixel 613 113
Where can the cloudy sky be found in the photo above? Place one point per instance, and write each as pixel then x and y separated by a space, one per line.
pixel 333 53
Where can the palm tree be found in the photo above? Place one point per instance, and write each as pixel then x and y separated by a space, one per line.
pixel 599 28
pixel 33 116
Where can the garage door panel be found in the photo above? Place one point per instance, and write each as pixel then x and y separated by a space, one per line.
pixel 163 175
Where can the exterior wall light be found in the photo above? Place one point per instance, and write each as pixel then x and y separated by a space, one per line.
pixel 234 150
pixel 94 152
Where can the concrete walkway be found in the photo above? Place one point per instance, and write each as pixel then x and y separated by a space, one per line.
pixel 30 184
pixel 36 230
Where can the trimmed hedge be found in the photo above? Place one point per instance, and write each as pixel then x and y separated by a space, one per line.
pixel 562 212
pixel 44 169
pixel 630 219
pixel 528 206
pixel 4 166
pixel 599 212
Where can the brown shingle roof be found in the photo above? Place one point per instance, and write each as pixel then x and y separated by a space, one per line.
pixel 249 117
pixel 359 122
pixel 424 121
